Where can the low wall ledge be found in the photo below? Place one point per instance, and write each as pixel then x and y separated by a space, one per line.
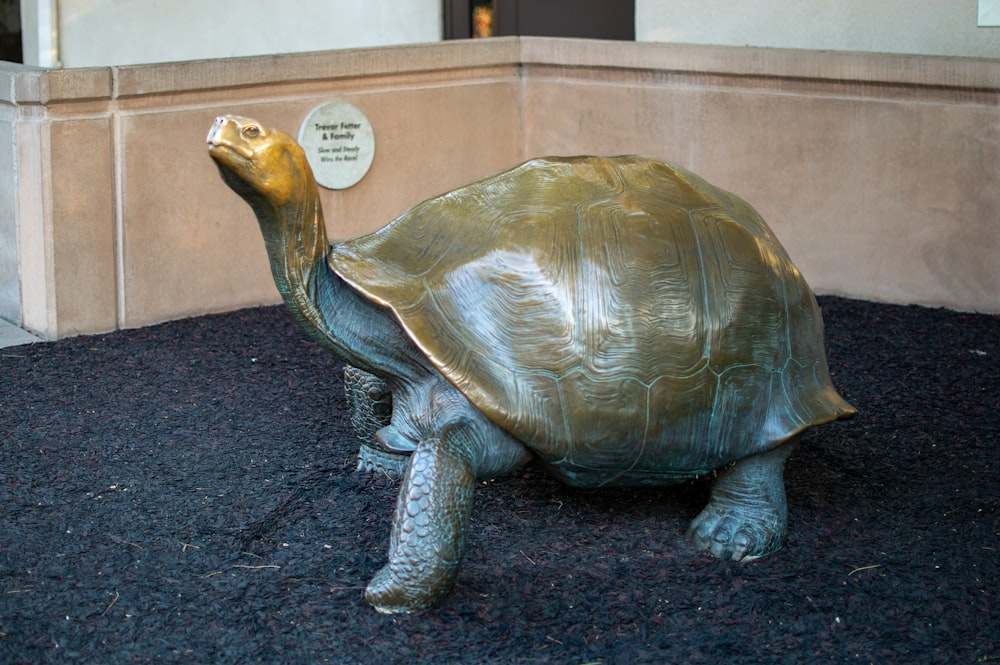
pixel 832 66
pixel 26 85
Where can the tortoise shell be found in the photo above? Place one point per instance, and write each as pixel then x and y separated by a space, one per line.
pixel 622 317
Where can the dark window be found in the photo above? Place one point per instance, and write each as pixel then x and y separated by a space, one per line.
pixel 10 31
pixel 596 19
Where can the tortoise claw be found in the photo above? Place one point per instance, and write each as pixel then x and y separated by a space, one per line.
pixel 727 538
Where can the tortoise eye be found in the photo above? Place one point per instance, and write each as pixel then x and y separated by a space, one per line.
pixel 251 131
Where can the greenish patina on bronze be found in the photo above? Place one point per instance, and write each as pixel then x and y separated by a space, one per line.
pixel 619 320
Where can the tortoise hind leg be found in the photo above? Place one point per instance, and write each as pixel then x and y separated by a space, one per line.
pixel 369 401
pixel 747 514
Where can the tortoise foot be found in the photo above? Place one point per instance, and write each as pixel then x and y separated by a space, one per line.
pixel 377 460
pixel 747 515
pixel 739 537
pixel 395 591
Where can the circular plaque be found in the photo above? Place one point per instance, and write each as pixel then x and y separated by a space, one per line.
pixel 339 144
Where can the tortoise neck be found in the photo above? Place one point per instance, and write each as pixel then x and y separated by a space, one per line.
pixel 297 246
pixel 354 329
pixel 331 312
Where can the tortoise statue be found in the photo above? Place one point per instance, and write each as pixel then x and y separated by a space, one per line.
pixel 618 320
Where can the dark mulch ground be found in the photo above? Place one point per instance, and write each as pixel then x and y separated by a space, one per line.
pixel 187 493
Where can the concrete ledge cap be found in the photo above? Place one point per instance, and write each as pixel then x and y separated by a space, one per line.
pixel 32 85
pixel 18 82
pixel 27 85
pixel 321 65
pixel 842 66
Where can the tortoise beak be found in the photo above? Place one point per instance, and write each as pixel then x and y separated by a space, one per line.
pixel 216 127
pixel 225 136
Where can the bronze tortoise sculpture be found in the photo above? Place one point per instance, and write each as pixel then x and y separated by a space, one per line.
pixel 619 320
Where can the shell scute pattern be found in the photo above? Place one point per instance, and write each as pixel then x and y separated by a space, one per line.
pixel 585 300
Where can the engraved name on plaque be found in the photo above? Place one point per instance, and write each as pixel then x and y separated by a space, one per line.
pixel 339 143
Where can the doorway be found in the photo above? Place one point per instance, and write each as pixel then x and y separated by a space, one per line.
pixel 10 31
pixel 595 19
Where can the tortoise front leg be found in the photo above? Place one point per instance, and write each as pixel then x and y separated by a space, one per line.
pixel 429 526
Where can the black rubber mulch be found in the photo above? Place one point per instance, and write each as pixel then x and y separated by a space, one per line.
pixel 186 493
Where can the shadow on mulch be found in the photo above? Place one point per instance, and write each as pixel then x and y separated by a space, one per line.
pixel 187 493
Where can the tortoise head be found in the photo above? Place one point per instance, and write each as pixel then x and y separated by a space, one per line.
pixel 258 163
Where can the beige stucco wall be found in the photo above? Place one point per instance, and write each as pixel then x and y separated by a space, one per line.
pixel 879 173
pixel 123 220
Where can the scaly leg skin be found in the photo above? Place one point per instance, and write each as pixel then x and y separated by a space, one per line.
pixel 747 515
pixel 428 531
pixel 370 403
